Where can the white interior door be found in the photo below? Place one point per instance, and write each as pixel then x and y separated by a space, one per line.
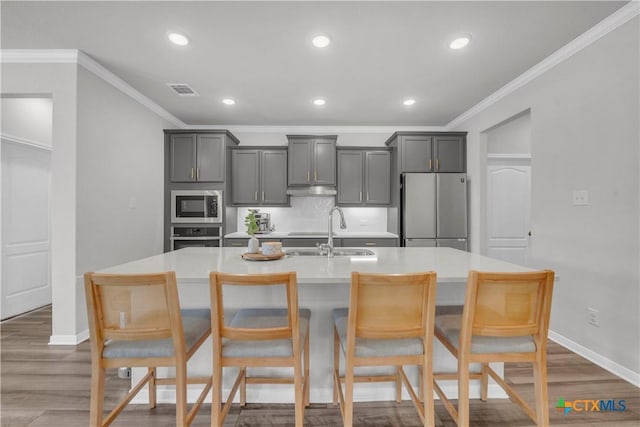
pixel 508 211
pixel 26 282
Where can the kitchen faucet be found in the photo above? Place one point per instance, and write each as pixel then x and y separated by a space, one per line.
pixel 329 245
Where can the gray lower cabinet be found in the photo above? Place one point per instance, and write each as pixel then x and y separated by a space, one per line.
pixel 312 160
pixel 259 177
pixel 236 242
pixel 363 242
pixel 430 151
pixel 303 242
pixel 243 242
pixel 197 157
pixel 364 178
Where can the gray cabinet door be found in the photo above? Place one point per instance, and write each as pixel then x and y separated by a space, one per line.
pixel 350 177
pixel 362 242
pixel 302 243
pixel 300 162
pixel 210 158
pixel 324 162
pixel 377 177
pixel 416 153
pixel 449 154
pixel 245 166
pixel 273 177
pixel 182 156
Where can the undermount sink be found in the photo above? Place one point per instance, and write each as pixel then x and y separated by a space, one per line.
pixel 336 252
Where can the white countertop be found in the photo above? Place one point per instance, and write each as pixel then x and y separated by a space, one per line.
pixel 315 235
pixel 192 265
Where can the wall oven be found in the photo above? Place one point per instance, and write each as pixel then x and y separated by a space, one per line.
pixel 194 237
pixel 196 206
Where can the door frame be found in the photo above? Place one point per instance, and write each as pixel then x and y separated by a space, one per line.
pixel 6 139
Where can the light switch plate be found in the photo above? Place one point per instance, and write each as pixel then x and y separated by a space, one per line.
pixel 580 197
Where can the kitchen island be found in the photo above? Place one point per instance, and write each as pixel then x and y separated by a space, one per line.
pixel 323 284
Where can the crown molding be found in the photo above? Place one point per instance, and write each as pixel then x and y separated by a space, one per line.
pixel 96 68
pixel 318 129
pixel 74 56
pixel 40 56
pixel 24 141
pixel 604 27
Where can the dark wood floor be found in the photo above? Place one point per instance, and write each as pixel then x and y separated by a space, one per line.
pixel 46 385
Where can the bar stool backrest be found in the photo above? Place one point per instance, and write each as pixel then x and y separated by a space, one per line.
pixel 508 304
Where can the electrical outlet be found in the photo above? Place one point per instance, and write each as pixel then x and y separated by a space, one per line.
pixel 580 197
pixel 593 316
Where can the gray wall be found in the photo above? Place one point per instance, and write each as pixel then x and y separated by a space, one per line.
pixel 511 137
pixel 120 158
pixel 585 133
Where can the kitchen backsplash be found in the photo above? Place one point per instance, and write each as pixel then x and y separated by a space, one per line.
pixel 310 214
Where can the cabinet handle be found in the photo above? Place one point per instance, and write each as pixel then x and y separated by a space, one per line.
pixel 191 173
pixel 429 167
pixel 263 196
pixel 315 176
pixel 370 244
pixel 255 196
pixel 308 175
pixel 361 196
pixel 437 164
pixel 367 196
pixel 198 173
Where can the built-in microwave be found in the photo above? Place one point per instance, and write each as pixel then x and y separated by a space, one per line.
pixel 196 206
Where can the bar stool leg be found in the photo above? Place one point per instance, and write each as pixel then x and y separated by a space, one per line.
pixel 336 365
pixel 463 394
pixel 540 384
pixel 97 395
pixel 298 385
pixel 484 382
pixel 181 393
pixel 152 388
pixel 243 387
pixel 216 398
pixel 398 385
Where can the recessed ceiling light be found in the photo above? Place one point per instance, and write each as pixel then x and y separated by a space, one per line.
pixel 460 42
pixel 178 39
pixel 319 102
pixel 409 102
pixel 229 101
pixel 321 40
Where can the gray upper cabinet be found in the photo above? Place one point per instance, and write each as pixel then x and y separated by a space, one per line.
pixel 430 151
pixel 449 154
pixel 245 168
pixel 312 160
pixel 197 157
pixel 350 177
pixel 364 177
pixel 416 153
pixel 377 173
pixel 259 177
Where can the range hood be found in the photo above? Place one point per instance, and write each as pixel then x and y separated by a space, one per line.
pixel 314 190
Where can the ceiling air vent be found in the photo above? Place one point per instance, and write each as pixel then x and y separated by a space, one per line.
pixel 182 89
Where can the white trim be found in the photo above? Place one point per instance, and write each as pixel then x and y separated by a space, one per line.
pixel 24 141
pixel 64 56
pixel 167 394
pixel 69 339
pixel 605 363
pixel 318 129
pixel 33 56
pixel 604 27
pixel 507 156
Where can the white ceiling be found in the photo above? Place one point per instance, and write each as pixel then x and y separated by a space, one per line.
pixel 260 53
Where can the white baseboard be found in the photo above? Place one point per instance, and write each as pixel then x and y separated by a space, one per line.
pixel 69 339
pixel 167 394
pixel 608 364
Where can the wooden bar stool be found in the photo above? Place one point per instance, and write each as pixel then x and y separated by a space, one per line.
pixel 389 322
pixel 135 320
pixel 505 318
pixel 259 337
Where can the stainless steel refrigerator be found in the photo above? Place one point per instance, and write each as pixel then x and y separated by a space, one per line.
pixel 434 210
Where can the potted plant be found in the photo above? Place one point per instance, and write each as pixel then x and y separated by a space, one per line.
pixel 252 228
